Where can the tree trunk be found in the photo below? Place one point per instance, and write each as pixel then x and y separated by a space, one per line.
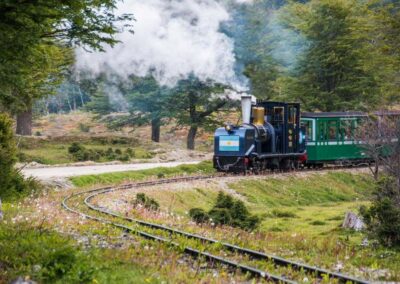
pixel 24 122
pixel 191 137
pixel 155 130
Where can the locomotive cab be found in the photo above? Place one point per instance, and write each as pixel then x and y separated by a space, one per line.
pixel 270 137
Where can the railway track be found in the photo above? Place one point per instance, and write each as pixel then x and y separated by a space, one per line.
pixel 120 221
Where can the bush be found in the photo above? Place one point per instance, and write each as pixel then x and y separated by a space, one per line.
pixel 382 219
pixel 227 211
pixel 130 152
pixel 198 215
pixel 12 183
pixel 146 202
pixel 81 153
pixel 46 256
pixel 8 152
pixel 221 216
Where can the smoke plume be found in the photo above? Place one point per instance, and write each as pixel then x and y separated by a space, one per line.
pixel 172 39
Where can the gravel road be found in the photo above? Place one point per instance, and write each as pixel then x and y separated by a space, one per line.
pixel 60 172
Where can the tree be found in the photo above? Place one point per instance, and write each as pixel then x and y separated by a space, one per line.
pixel 8 152
pixel 31 30
pixel 380 136
pixel 386 19
pixel 148 103
pixel 252 29
pixel 45 73
pixel 193 104
pixel 338 69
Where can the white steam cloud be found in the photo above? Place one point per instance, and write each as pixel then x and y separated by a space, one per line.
pixel 172 40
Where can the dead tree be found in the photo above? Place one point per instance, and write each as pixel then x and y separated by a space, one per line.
pixel 378 137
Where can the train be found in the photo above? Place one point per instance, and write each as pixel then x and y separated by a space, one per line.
pixel 278 136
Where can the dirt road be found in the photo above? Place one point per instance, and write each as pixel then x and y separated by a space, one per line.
pixel 60 172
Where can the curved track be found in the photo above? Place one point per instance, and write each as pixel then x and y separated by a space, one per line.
pixel 278 261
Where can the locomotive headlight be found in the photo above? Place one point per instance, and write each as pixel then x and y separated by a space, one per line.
pixel 228 127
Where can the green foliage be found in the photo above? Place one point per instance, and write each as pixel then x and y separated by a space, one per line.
pixel 7 152
pixel 12 184
pixel 227 211
pixel 43 255
pixel 383 217
pixel 81 153
pixel 48 257
pixel 193 105
pixel 338 70
pixel 145 201
pixel 198 215
pixel 36 40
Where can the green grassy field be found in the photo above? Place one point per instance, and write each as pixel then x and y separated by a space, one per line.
pixel 55 151
pixel 202 168
pixel 301 220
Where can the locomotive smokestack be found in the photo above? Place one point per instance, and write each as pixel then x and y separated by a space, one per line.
pixel 246 109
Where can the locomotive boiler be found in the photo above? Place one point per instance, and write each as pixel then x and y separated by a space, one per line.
pixel 270 137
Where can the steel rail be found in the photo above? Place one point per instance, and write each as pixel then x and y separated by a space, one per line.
pixel 188 250
pixel 319 272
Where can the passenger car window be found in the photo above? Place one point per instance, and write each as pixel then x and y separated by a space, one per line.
pixel 346 129
pixel 332 129
pixel 308 125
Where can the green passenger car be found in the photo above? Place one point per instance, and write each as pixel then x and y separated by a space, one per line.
pixel 330 137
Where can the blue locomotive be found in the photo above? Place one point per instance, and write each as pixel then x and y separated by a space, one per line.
pixel 270 137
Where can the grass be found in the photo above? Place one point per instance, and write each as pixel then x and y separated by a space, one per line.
pixel 161 172
pixel 301 219
pixel 319 189
pixel 49 257
pixel 55 151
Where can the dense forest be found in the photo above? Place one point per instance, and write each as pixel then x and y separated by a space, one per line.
pixel 329 55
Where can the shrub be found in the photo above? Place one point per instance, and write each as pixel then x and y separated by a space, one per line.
pixel 46 256
pixel 382 218
pixel 75 148
pixel 12 183
pixel 198 215
pixel 227 211
pixel 130 152
pixel 221 216
pixel 147 202
pixel 81 153
pixel 223 201
pixel 8 152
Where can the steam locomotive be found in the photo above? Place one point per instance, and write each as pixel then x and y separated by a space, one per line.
pixel 270 137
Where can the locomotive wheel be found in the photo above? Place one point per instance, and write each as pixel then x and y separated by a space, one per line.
pixel 286 165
